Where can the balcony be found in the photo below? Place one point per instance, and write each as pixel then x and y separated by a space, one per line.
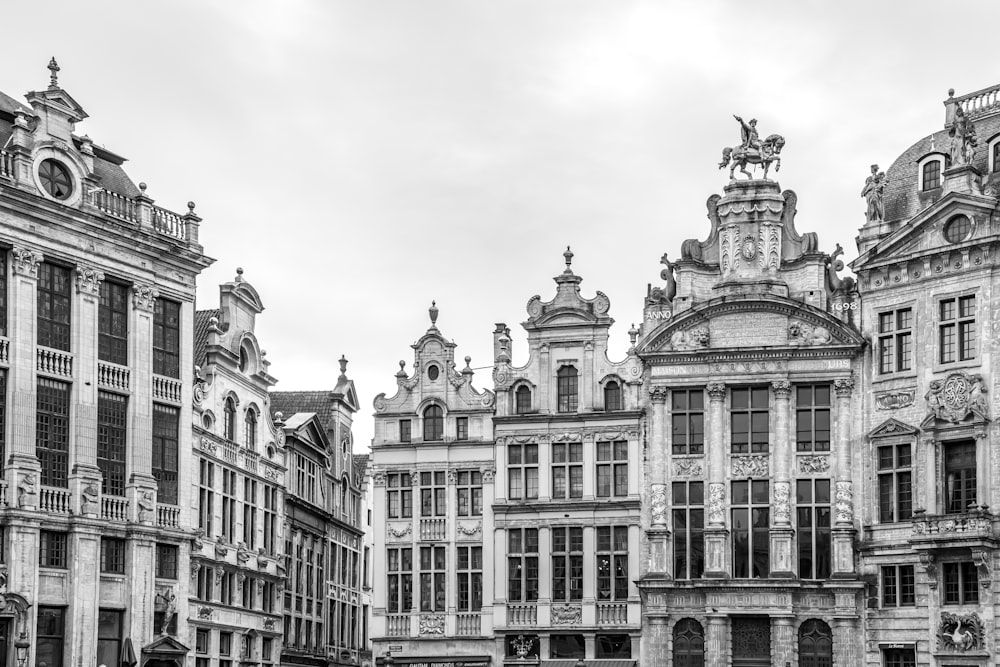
pixel 6 165
pixel 54 500
pixel 612 613
pixel 975 528
pixel 166 389
pixel 54 362
pixel 168 516
pixel 522 614
pixel 114 509
pixel 433 530
pixel 113 376
pixel 140 211
pixel 397 625
pixel 468 625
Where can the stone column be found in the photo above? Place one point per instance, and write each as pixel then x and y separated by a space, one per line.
pixel 589 578
pixel 140 447
pixel 983 468
pixel 846 642
pixel 545 370
pixel 654 650
pixel 588 400
pixel 658 533
pixel 85 476
pixel 715 530
pixel 931 503
pixel 782 640
pixel 717 641
pixel 843 530
pixel 781 530
pixel 81 616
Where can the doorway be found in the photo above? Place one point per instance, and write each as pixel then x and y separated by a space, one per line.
pixel 751 641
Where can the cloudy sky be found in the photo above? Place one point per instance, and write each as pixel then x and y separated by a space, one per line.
pixel 360 158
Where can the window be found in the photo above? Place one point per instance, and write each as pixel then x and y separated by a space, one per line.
pixel 270 518
pixel 932 175
pixel 895 341
pixel 433 372
pixel 206 496
pixel 957 330
pixel 612 469
pixel 225 643
pixel 960 476
pixel 612 562
pixel 399 566
pixel 266 649
pixel 433 494
pixel 433 423
pixel 470 578
pixel 229 505
pixel 166 338
pixel 957 229
pixel 687 421
pixel 55 178
pixel 899 657
pixel 567 470
pixel 109 636
pixel 432 578
pixel 898 589
pixel 166 561
pixel 470 493
pixel 268 597
pixel 609 647
pixel 205 585
pixel 250 513
pixel 961 583
pixel 522 564
pixel 749 419
pixel 3 416
pixel 689 529
pixel 52 551
pixel 227 587
pixel 404 430
pixel 567 647
pixel 54 306
pixel 400 495
pixel 461 428
pixel 201 641
pixel 112 412
pixel 522 472
pixel 613 396
pixel 812 418
pixel 566 389
pixel 112 323
pixel 3 293
pixel 567 564
pixel 250 425
pixel 751 516
pixel 689 643
pixel 305 477
pixel 895 480
pixel 112 555
pixel 165 423
pixel 522 399
pixel 229 419
pixel 815 644
pixel 996 157
pixel 812 502
pixel 49 647
pixel 52 431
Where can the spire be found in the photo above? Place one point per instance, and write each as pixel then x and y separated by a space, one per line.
pixel 53 73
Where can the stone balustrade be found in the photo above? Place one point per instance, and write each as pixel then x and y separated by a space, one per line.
pixel 250 460
pixel 54 500
pixel 168 223
pixel 166 389
pixel 973 524
pixel 522 614
pixel 612 613
pixel 468 625
pixel 4 497
pixel 168 516
pixel 397 625
pixel 4 350
pixel 6 165
pixel 434 530
pixel 981 101
pixel 230 451
pixel 114 509
pixel 54 362
pixel 113 376
pixel 116 205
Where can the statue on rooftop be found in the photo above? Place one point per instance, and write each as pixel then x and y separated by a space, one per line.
pixel 873 192
pixel 752 150
pixel 963 139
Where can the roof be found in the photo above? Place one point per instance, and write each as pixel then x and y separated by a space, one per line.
pixel 10 105
pixel 289 403
pixel 360 464
pixel 201 318
pixel 112 177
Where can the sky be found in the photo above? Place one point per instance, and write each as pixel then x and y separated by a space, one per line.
pixel 361 158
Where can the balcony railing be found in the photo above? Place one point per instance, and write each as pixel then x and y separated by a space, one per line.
pixel 969 526
pixel 468 625
pixel 612 613
pixel 168 516
pixel 6 164
pixel 522 614
pixel 4 498
pixel 981 101
pixel 114 509
pixel 113 376
pixel 54 362
pixel 116 205
pixel 229 451
pixel 397 625
pixel 166 389
pixel 135 211
pixel 250 459
pixel 4 350
pixel 54 501
pixel 433 530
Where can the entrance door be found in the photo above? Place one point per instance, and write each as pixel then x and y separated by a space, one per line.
pixel 751 641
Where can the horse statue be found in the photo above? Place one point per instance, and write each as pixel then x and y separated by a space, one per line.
pixel 740 156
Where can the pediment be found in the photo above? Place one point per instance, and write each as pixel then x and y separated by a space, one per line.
pixel 165 645
pixel 57 98
pixel 892 428
pixel 565 316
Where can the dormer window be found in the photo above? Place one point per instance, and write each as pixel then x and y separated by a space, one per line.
pixel 522 400
pixel 612 396
pixel 55 178
pixel 244 359
pixel 433 423
pixel 930 174
pixel 567 389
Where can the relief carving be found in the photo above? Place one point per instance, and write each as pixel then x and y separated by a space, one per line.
pixel 567 614
pixel 812 464
pixel 144 297
pixel 894 400
pixel 843 386
pixel 470 529
pixel 961 632
pixel 88 280
pixel 399 531
pixel 691 339
pixel 432 624
pixel 782 492
pixel 488 473
pixel 687 468
pixel 844 502
pixel 25 261
pixel 957 397
pixel 716 502
pixel 750 466
pixel 802 334
pixel 658 503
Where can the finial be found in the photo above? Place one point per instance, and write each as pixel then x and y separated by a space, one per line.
pixel 239 274
pixel 633 333
pixel 279 418
pixel 569 259
pixel 191 207
pixel 433 311
pixel 53 73
pixel 402 371
pixel 142 188
pixel 343 364
pixel 951 92
pixel 468 365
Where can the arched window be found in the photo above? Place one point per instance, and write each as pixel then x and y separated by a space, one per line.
pixel 815 644
pixel 343 495
pixel 522 399
pixel 244 359
pixel 613 396
pixel 229 420
pixel 566 389
pixel 689 644
pixel 433 423
pixel 251 429
pixel 931 175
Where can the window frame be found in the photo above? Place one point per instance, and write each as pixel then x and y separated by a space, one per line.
pixel 112 555
pixel 614 395
pixel 112 323
pixel 166 337
pixel 567 470
pixel 965 576
pixel 112 442
pixel 896 342
pixel 52 429
pixel 612 566
pixel 567 389
pixel 524 470
pixel 433 577
pixel 924 166
pixel 567 563
pixel 611 469
pixel 53 549
pixel 813 411
pixel 894 504
pixel 433 493
pixel 691 418
pixel 522 565
pixel 758 512
pixel 469 493
pixel 54 302
pixel 433 423
pixel 522 399
pixel 166 443
pixel 399 495
pixel 969 484
pixel 815 539
pixel 469 578
pixel 895 591
pixel 753 445
pixel 688 508
pixel 958 327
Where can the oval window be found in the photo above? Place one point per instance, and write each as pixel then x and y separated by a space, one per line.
pixel 55 179
pixel 432 372
pixel 957 229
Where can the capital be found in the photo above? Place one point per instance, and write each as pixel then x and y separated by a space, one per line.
pixel 658 394
pixel 144 297
pixel 88 280
pixel 843 386
pixel 782 388
pixel 25 261
pixel 716 390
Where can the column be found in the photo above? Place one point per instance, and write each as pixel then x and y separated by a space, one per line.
pixel 544 578
pixel 843 530
pixel 782 640
pixel 81 615
pixel 717 641
pixel 846 642
pixel 658 534
pixel 85 476
pixel 140 354
pixel 781 530
pixel 653 645
pixel 983 468
pixel 588 400
pixel 715 530
pixel 22 471
pixel 545 372
pixel 589 578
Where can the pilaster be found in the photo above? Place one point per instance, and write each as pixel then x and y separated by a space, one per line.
pixel 23 466
pixel 81 617
pixel 85 476
pixel 140 450
pixel 717 641
pixel 715 530
pixel 843 531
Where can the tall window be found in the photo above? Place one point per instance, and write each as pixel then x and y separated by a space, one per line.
pixel 470 493
pixel 433 423
pixel 166 561
pixel 3 411
pixel 812 418
pixel 567 564
pixel 399 568
pixel 961 583
pixel 895 341
pixel 54 285
pixel 204 589
pixel 229 419
pixel 271 509
pixel 250 426
pixel 305 477
pixel 165 424
pixel 957 329
pixel 51 628
pixel 461 428
pixel 53 549
pixel 932 175
pixel 613 396
pixel 522 564
pixel 610 647
pixel 689 529
pixel 229 505
pixel 612 469
pixel 687 421
pixel 404 430
pixel 400 495
pixel 250 513
pixel 112 323
pixel 689 643
pixel 567 470
pixel 612 562
pixel 433 494
pixel 522 399
pixel 470 578
pixel 166 338
pixel 996 157
pixel 815 644
pixel 109 636
pixel 227 587
pixel 749 419
pixel 895 479
pixel 112 410
pixel 52 431
pixel 112 555
pixel 432 578
pixel 960 475
pixel 898 589
pixel 566 389
pixel 206 496
pixel 751 516
pixel 522 472
pixel 812 501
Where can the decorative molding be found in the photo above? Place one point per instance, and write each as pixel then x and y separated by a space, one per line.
pixel 687 467
pixel 473 529
pixel 566 614
pixel 801 334
pixel 844 502
pixel 378 478
pixel 25 261
pixel 695 338
pixel 750 466
pixel 893 427
pixel 781 388
pixel 452 476
pixel 88 280
pixel 658 394
pixel 814 464
pixel 961 633
pixel 957 397
pixel 717 502
pixel 144 297
pixel 205 612
pixel 658 503
pixel 782 493
pixel 716 390
pixel 432 624
pixel 488 473
pixel 981 559
pixel 843 386
pixel 894 400
pixel 399 532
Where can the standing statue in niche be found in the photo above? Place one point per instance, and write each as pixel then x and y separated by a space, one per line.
pixel 873 192
pixel 963 139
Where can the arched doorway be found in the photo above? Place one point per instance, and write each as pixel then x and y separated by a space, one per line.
pixel 689 643
pixel 815 644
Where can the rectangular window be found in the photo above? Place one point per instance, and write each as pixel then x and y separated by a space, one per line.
pixel 405 434
pixel 470 578
pixel 470 493
pixel 961 583
pixel 166 338
pixel 612 562
pixel 433 494
pixel 461 428
pixel 112 555
pixel 567 470
pixel 52 431
pixel 748 413
pixel 225 643
pixel 751 517
pixel 206 496
pixel 567 564
pixel 689 529
pixel 522 564
pixel 266 648
pixel 996 157
pixel 957 329
pixel 399 566
pixel 522 472
pixel 898 588
pixel 960 476
pixel 271 509
pixel 899 657
pixel 812 503
pixel 687 421
pixel 895 483
pixel 109 636
pixel 305 477
pixel 201 641
pixel 895 341
pixel 432 578
pixel 206 583
pixel 612 469
pixel 51 627
pixel 399 495
pixel 3 414
pixel 53 549
pixel 226 587
pixel 112 323
pixel 250 513
pixel 567 389
pixel 229 505
pixel 932 175
pixel 165 424
pixel 166 561
pixel 812 418
pixel 54 285
pixel 112 420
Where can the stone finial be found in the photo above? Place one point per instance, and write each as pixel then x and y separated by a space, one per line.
pixel 433 312
pixel 53 73
pixel 191 207
pixel 142 188
pixel 633 333
pixel 951 92
pixel 468 366
pixel 343 366
pixel 402 369
pixel 568 255
pixel 239 274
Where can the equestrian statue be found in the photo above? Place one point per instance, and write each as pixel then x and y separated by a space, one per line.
pixel 752 151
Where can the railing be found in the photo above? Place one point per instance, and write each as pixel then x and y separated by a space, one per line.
pixel 468 625
pixel 166 389
pixel 6 164
pixel 114 509
pixel 229 451
pixel 4 350
pixel 972 524
pixel 54 362
pixel 168 516
pixel 397 625
pixel 168 222
pixel 116 205
pixel 54 501
pixel 522 614
pixel 250 460
pixel 981 101
pixel 113 376
pixel 612 613
pixel 433 529
pixel 4 500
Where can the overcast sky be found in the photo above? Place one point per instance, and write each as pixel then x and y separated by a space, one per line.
pixel 361 158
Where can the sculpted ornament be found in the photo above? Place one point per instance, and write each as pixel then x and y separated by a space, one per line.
pixel 716 503
pixel 144 297
pixel 716 390
pixel 88 280
pixel 488 473
pixel 750 466
pixel 146 506
pixel 658 503
pixel 25 262
pixel 961 632
pixel 687 467
pixel 658 394
pixel 874 192
pixel 470 529
pixel 894 400
pixel 399 531
pixel 844 502
pixel 752 151
pixel 692 339
pixel 27 492
pixel 782 388
pixel 814 464
pixel 567 615
pixel 782 492
pixel 843 386
pixel 89 499
pixel 432 624
pixel 802 334
pixel 957 397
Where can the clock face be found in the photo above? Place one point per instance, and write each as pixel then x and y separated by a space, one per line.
pixel 749 248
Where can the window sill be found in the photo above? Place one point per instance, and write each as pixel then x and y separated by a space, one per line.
pixel 952 366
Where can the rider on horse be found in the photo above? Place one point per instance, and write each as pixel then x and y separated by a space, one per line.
pixel 749 132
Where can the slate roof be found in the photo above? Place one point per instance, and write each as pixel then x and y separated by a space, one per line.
pixel 290 402
pixel 10 105
pixel 360 463
pixel 201 318
pixel 114 178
